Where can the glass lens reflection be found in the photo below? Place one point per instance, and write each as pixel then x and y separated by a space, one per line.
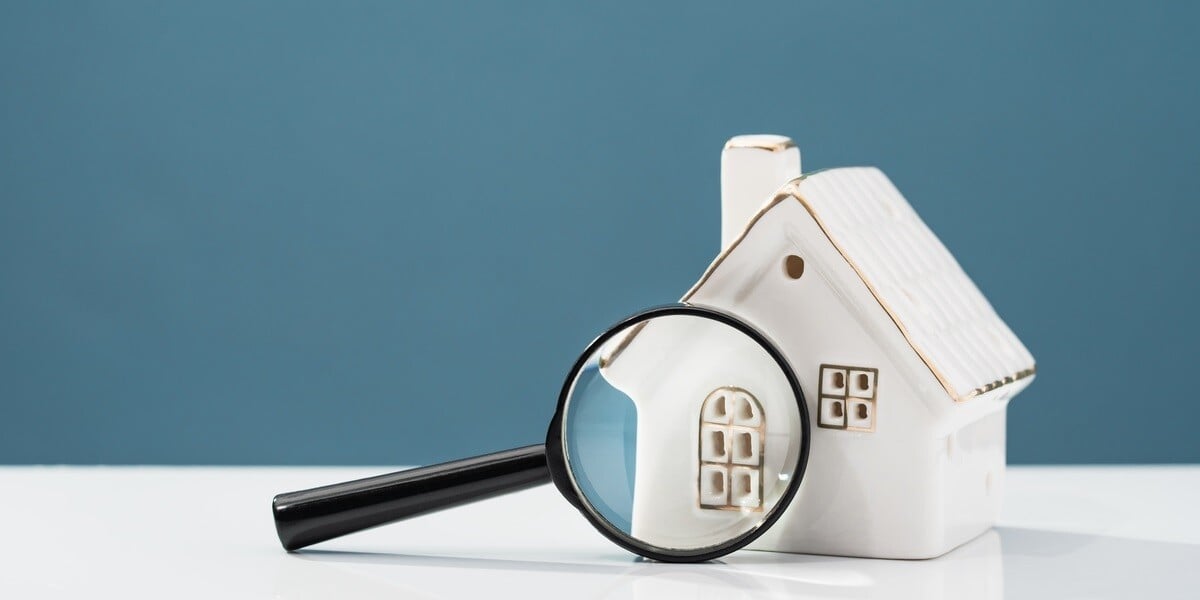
pixel 682 432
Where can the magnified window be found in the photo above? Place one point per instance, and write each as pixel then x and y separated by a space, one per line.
pixel 731 450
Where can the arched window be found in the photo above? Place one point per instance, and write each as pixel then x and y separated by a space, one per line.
pixel 732 427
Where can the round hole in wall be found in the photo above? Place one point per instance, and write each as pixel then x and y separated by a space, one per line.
pixel 793 266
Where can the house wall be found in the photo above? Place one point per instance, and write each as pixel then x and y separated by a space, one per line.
pixel 972 461
pixel 892 492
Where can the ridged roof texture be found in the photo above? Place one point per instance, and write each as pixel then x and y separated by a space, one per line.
pixel 916 280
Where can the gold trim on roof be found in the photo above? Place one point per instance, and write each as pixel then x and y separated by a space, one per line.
pixel 792 190
pixel 999 383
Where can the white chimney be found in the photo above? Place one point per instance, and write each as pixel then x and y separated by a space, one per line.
pixel 753 168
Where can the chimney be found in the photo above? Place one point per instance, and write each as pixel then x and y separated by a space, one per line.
pixel 753 168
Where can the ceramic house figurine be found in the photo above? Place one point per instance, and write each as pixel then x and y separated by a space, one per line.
pixel 905 366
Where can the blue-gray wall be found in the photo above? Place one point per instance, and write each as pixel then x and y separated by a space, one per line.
pixel 379 232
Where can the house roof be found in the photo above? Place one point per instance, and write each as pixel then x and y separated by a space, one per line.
pixel 936 307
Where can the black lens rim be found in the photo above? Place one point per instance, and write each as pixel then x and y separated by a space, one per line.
pixel 556 458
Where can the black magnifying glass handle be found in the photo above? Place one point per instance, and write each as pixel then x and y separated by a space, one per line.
pixel 306 517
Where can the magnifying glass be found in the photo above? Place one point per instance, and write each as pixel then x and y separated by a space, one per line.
pixel 681 434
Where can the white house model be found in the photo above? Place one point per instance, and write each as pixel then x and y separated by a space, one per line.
pixel 905 366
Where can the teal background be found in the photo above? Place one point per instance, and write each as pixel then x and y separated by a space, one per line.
pixel 374 232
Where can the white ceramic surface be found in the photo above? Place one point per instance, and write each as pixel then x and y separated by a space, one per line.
pixel 908 445
pixel 192 532
pixel 752 168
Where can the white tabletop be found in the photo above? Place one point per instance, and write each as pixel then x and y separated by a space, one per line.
pixel 200 532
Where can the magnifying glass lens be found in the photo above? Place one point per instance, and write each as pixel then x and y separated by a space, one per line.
pixel 684 433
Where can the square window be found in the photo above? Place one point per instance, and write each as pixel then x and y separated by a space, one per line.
pixel 744 446
pixel 714 485
pixel 832 413
pixel 745 489
pixel 860 415
pixel 833 381
pixel 861 383
pixel 714 443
